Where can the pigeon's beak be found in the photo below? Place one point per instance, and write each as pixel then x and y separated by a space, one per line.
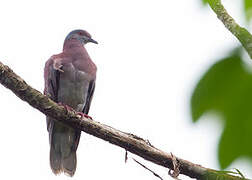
pixel 92 41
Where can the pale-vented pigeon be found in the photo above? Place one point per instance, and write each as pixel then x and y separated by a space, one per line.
pixel 69 80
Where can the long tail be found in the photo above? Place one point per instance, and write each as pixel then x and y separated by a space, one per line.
pixel 64 141
pixel 61 164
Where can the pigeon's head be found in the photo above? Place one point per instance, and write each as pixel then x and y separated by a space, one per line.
pixel 83 36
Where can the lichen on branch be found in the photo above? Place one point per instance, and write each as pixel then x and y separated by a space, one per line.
pixel 239 32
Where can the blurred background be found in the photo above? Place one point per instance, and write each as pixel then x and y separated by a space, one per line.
pixel 162 65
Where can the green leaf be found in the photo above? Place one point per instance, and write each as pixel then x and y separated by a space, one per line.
pixel 222 175
pixel 226 89
pixel 248 9
pixel 204 2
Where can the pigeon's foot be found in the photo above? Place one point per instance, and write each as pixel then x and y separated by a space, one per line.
pixel 84 115
pixel 67 108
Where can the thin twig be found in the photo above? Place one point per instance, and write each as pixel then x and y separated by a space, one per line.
pixel 176 166
pixel 155 174
pixel 126 156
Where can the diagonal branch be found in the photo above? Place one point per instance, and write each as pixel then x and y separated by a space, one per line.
pixel 129 142
pixel 239 32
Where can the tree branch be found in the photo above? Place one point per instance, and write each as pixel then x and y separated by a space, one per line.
pixel 241 33
pixel 129 142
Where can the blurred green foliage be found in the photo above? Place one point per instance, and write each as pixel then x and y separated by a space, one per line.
pixel 204 1
pixel 226 88
pixel 248 9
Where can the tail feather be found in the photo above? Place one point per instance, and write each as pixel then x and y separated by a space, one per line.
pixel 68 147
pixel 64 141
pixel 61 164
pixel 69 164
pixel 55 161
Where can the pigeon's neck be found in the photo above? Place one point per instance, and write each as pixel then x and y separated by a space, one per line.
pixel 73 44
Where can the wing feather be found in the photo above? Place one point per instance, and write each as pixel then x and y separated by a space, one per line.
pixel 52 78
pixel 89 98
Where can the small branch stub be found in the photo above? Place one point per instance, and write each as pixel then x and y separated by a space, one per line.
pixel 176 166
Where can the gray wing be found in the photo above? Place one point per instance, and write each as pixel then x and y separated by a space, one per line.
pixel 54 84
pixel 89 98
pixel 52 87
